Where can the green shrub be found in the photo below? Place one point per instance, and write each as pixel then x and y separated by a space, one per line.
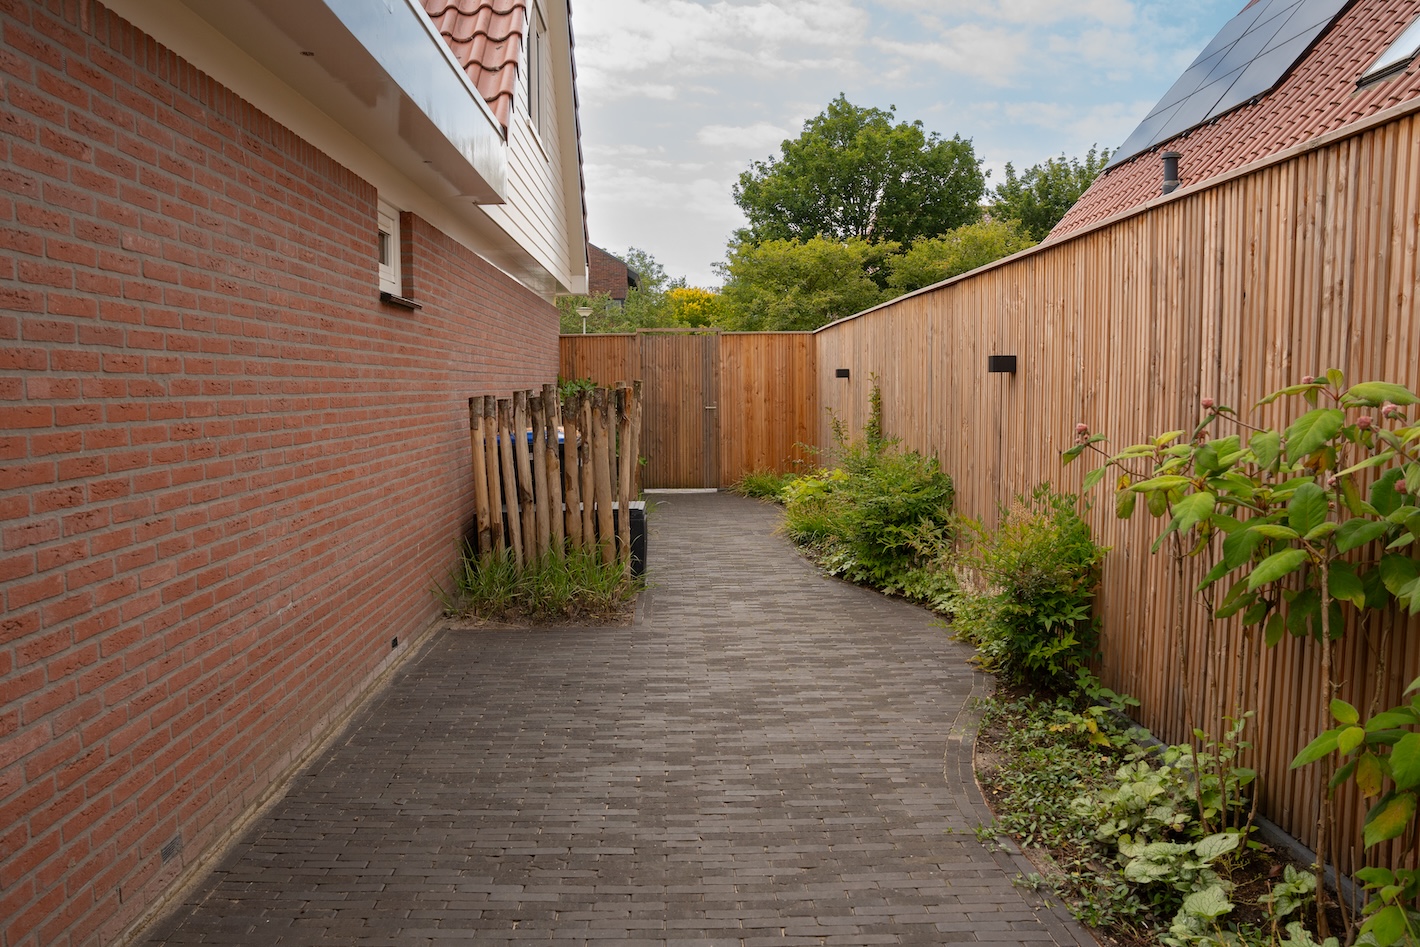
pixel 1026 590
pixel 577 586
pixel 879 518
pixel 763 485
pixel 566 387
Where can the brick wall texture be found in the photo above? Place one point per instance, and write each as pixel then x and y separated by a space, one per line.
pixel 228 472
pixel 606 274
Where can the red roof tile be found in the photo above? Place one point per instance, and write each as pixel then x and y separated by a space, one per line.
pixel 1318 96
pixel 486 37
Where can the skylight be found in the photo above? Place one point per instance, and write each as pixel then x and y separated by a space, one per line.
pixel 1396 56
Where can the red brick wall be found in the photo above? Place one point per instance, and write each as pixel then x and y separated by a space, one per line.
pixel 606 274
pixel 227 471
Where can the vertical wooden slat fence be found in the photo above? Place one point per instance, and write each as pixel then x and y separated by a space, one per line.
pixel 548 473
pixel 1304 262
pixel 717 405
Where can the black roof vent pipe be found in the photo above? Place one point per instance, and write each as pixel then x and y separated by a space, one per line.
pixel 1171 181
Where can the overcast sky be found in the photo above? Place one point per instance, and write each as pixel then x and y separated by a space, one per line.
pixel 679 96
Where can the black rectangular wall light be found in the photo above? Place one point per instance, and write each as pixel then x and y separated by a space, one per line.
pixel 1001 363
pixel 840 373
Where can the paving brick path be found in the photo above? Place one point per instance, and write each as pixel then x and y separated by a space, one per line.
pixel 764 757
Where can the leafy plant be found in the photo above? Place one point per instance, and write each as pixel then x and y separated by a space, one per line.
pixel 1390 917
pixel 1381 750
pixel 567 387
pixel 1120 818
pixel 881 516
pixel 1284 513
pixel 1027 589
pixel 1293 893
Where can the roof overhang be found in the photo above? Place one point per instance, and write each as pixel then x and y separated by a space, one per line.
pixel 380 69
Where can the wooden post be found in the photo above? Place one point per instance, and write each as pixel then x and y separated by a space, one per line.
pixel 572 473
pixel 542 493
pixel 601 460
pixel 589 479
pixel 495 482
pixel 523 461
pixel 625 474
pixel 510 479
pixel 636 485
pixel 481 511
pixel 553 410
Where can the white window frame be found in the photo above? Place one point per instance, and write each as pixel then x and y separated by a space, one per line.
pixel 1397 55
pixel 388 251
pixel 537 67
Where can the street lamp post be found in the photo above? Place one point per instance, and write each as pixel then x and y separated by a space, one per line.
pixel 584 312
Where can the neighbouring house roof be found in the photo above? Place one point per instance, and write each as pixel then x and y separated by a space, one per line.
pixel 1318 95
pixel 486 37
pixel 609 274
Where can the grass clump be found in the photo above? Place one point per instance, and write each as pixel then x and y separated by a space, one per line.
pixel 1026 590
pixel 763 485
pixel 575 587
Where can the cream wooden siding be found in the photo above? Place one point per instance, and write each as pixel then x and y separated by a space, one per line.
pixel 543 210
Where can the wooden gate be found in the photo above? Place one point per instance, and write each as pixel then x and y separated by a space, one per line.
pixel 681 375
pixel 717 405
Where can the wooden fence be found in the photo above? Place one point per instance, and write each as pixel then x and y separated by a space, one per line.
pixel 548 472
pixel 718 405
pixel 1230 290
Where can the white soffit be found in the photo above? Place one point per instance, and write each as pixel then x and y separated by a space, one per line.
pixel 379 69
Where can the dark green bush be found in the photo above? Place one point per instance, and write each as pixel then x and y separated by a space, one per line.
pixel 879 518
pixel 1025 591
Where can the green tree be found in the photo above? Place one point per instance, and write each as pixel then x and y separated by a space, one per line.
pixel 787 285
pixel 650 274
pixel 934 259
pixel 1040 196
pixel 647 306
pixel 854 173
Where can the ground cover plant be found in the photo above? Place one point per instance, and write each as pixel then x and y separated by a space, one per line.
pixel 576 586
pixel 1147 844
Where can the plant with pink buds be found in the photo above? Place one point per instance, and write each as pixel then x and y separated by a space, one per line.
pixel 1302 522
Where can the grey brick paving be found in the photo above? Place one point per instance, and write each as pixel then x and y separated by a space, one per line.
pixel 764 756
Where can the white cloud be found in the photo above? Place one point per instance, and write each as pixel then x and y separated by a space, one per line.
pixel 990 55
pixel 623 39
pixel 756 138
pixel 679 96
pixel 1020 11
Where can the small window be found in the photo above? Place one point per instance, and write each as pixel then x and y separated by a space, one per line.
pixel 537 67
pixel 389 245
pixel 1396 57
pixel 389 251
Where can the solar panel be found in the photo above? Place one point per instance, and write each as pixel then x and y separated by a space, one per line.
pixel 1249 56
